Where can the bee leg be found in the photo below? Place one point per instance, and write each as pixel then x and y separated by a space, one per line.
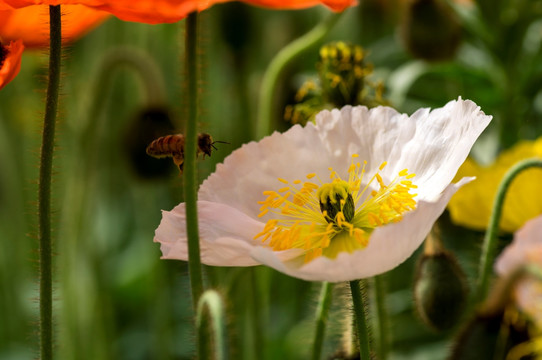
pixel 179 161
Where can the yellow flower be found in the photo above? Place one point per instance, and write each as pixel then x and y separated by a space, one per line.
pixel 471 206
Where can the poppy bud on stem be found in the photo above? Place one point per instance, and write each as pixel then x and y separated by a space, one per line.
pixel 440 288
pixel 212 301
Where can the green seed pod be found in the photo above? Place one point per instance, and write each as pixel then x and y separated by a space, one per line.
pixel 342 71
pixel 342 355
pixel 147 125
pixel 489 335
pixel 440 290
pixel 430 30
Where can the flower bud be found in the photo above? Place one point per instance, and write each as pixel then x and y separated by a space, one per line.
pixel 440 290
pixel 483 338
pixel 147 125
pixel 342 355
pixel 430 30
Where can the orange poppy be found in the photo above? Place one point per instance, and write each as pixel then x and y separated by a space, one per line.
pixel 10 61
pixel 167 11
pixel 31 24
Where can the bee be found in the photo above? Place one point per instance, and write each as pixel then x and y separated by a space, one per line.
pixel 173 146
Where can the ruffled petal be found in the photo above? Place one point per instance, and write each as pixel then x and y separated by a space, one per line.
pixel 431 144
pixel 168 11
pixel 389 246
pixel 226 235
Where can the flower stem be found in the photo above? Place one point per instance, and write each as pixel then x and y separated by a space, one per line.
pixel 44 190
pixel 278 65
pixel 324 304
pixel 213 302
pixel 190 171
pixel 361 322
pixel 140 63
pixel 382 339
pixel 490 240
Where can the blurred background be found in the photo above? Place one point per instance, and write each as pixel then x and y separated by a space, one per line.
pixel 115 299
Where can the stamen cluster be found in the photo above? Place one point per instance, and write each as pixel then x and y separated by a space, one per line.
pixel 328 218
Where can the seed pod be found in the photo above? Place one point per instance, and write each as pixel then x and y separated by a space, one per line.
pixel 440 290
pixel 489 335
pixel 430 30
pixel 147 125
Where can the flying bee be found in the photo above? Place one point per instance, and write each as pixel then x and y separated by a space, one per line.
pixel 173 146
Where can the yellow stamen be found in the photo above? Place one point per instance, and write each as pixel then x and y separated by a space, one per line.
pixel 299 218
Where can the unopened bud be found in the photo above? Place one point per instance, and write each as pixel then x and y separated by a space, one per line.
pixel 147 125
pixel 430 30
pixel 440 290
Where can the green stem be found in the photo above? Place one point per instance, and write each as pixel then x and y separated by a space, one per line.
pixel 141 64
pixel 254 305
pixel 278 65
pixel 97 128
pixel 382 338
pixel 322 312
pixel 213 302
pixel 190 170
pixel 490 240
pixel 360 320
pixel 44 191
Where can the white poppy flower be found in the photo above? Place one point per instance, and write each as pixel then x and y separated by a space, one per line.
pixel 350 197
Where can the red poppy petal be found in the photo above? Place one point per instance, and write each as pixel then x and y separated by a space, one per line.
pixel 11 65
pixel 31 24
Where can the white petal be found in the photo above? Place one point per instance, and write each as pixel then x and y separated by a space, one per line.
pixel 224 232
pixel 431 144
pixel 226 236
pixel 256 167
pixel 389 246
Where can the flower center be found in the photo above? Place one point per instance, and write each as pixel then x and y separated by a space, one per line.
pixel 3 54
pixel 335 216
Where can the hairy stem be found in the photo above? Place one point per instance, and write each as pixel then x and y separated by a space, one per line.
pixel 211 301
pixel 490 240
pixel 322 312
pixel 190 170
pixel 275 69
pixel 382 338
pixel 44 190
pixel 360 320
